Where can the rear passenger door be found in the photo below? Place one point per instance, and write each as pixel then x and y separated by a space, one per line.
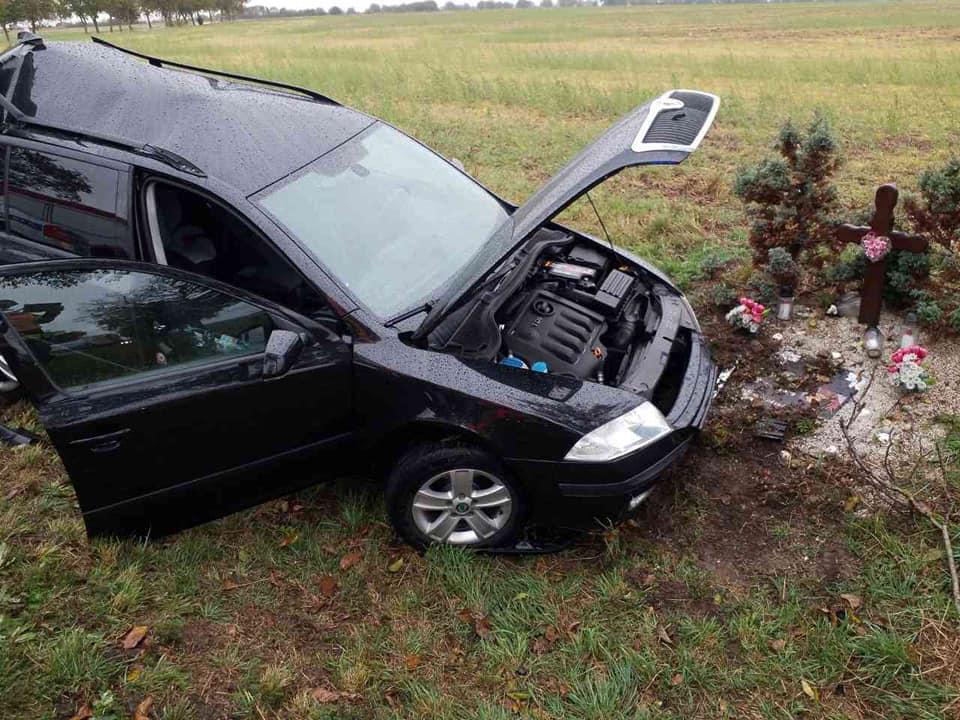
pixel 63 204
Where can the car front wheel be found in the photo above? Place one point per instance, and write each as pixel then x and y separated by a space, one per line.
pixel 455 495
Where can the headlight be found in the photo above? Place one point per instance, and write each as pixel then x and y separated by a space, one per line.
pixel 631 431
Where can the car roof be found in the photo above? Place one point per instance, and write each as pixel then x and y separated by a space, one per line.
pixel 242 134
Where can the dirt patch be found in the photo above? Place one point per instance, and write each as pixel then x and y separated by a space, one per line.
pixel 749 511
pixel 757 518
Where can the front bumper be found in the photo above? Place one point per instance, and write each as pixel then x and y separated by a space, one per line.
pixel 587 495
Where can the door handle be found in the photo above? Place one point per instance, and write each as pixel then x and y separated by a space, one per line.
pixel 102 443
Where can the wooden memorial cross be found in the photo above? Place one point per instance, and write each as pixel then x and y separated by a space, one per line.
pixel 881 225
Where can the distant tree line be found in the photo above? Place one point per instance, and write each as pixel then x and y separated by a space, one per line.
pixel 114 13
pixel 117 13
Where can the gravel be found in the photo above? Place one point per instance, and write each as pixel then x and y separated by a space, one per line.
pixel 888 414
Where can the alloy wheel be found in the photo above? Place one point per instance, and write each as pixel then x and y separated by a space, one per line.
pixel 462 507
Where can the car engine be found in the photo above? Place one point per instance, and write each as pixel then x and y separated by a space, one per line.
pixel 560 305
pixel 577 314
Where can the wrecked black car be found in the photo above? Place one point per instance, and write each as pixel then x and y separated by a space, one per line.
pixel 217 289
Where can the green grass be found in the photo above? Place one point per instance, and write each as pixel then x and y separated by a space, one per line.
pixel 682 616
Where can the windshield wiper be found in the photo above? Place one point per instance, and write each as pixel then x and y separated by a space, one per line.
pixel 423 308
pixel 436 307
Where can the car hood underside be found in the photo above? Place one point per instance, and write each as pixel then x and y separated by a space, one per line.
pixel 663 131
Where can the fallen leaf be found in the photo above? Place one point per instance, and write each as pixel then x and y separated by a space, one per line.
pixel 390 695
pixel 84 712
pixel 395 566
pixel 551 634
pixel 135 636
pixel 913 654
pixel 851 503
pixel 289 539
pixel 481 626
pixel 411 662
pixel 778 644
pixel 143 709
pixel 465 616
pixel 676 680
pixel 328 585
pixel 326 696
pixel 322 695
pixel 664 636
pixel 349 560
pixel 853 601
pixel 809 690
pixel 134 673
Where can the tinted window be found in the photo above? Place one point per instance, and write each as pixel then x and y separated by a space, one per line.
pixel 94 325
pixel 67 204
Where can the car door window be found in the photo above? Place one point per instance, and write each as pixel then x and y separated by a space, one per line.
pixel 67 204
pixel 90 326
pixel 201 236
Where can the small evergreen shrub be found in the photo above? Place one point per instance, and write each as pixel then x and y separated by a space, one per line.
pixel 935 213
pixel 782 268
pixel 723 296
pixel 791 200
pixel 929 312
pixel 762 287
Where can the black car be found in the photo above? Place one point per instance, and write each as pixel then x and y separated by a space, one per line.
pixel 217 289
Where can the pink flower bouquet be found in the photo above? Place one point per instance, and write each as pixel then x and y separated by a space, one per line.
pixel 875 247
pixel 906 369
pixel 748 315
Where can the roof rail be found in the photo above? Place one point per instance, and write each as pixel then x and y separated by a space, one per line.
pixel 159 62
pixel 23 125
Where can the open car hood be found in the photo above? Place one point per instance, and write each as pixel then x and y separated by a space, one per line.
pixel 663 131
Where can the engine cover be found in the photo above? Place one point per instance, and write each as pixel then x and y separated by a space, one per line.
pixel 559 332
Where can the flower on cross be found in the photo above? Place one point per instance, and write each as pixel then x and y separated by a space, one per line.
pixel 875 247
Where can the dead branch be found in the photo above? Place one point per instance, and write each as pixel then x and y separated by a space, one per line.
pixel 889 487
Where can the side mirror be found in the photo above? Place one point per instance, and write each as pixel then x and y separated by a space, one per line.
pixel 283 349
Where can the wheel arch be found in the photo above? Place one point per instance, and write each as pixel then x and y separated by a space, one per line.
pixel 388 449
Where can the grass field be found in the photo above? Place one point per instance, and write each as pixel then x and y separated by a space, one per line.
pixel 740 592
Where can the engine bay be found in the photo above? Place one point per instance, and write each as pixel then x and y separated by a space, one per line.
pixel 577 314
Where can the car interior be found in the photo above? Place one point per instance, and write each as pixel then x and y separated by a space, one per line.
pixel 193 233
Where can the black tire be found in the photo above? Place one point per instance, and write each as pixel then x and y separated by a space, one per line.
pixel 424 462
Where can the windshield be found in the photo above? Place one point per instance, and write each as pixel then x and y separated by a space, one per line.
pixel 393 221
